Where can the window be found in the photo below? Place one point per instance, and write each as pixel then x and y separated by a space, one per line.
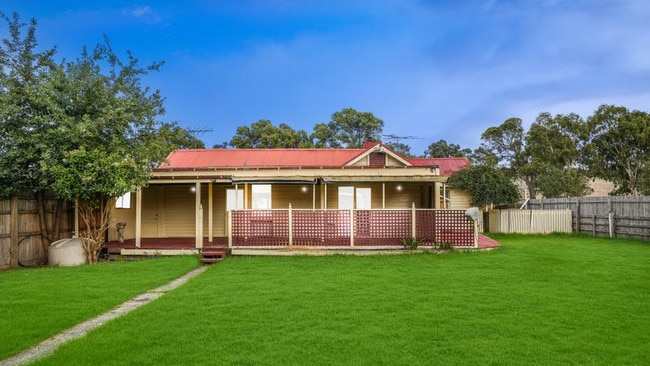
pixel 234 199
pixel 363 199
pixel 261 196
pixel 123 201
pixel 346 198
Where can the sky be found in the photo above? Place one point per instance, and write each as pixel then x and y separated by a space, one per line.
pixel 430 70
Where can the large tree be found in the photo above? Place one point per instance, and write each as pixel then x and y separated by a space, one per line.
pixel 263 134
pixel 442 149
pixel 555 145
pixel 507 143
pixel 619 149
pixel 352 128
pixel 487 185
pixel 26 117
pixel 107 140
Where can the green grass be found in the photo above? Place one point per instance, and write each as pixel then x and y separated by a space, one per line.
pixel 36 304
pixel 556 299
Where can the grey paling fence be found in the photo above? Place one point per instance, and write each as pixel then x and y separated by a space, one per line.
pixel 614 216
pixel 349 228
pixel 21 242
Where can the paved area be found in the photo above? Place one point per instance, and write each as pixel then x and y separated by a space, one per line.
pixel 50 345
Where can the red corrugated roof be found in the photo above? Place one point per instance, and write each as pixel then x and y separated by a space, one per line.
pixel 447 166
pixel 288 158
pixel 260 158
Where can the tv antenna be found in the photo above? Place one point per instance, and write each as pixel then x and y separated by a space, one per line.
pixel 396 139
pixel 198 132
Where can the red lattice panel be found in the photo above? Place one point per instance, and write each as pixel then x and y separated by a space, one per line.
pixel 321 228
pixel 442 226
pixel 260 228
pixel 381 227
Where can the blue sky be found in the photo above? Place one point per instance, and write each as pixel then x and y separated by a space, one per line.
pixel 429 69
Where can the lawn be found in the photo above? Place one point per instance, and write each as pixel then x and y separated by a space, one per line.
pixel 36 304
pixel 558 299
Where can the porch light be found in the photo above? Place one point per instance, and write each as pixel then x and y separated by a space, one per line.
pixel 398 188
pixel 193 189
pixel 303 189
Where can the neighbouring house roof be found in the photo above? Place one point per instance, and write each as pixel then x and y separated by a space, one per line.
pixel 373 162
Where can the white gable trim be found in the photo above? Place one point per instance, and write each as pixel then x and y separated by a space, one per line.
pixel 379 148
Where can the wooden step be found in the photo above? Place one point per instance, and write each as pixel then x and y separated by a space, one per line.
pixel 213 254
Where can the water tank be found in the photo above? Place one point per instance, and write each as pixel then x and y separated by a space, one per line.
pixel 67 252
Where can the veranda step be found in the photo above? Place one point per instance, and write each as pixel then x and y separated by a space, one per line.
pixel 213 254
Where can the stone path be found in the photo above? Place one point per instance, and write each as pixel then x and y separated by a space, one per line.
pixel 48 346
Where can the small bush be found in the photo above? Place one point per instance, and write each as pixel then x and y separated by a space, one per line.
pixel 446 245
pixel 410 243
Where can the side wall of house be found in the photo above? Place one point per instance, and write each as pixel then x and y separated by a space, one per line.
pixel 459 199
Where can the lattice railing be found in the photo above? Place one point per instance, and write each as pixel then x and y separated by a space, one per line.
pixel 345 228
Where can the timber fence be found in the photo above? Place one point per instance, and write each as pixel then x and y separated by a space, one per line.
pixel 613 216
pixel 21 241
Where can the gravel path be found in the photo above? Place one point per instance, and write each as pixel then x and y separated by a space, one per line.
pixel 50 345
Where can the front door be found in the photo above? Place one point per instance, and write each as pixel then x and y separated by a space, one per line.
pixel 150 211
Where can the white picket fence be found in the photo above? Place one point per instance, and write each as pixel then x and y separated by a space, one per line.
pixel 530 221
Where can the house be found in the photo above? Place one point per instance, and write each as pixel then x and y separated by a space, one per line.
pixel 193 195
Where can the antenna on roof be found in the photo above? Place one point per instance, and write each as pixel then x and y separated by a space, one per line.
pixel 198 132
pixel 396 139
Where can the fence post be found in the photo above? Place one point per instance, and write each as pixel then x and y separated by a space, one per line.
pixel 290 226
pixel 229 228
pixel 351 227
pixel 13 230
pixel 577 214
pixel 413 223
pixel 594 226
pixel 612 227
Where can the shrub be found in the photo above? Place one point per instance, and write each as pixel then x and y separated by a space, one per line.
pixel 410 243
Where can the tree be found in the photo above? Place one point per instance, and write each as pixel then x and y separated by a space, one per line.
pixel 400 148
pixel 619 149
pixel 323 136
pixel 25 117
pixel 555 145
pixel 508 144
pixel 441 149
pixel 487 185
pixel 482 156
pixel 179 137
pixel 263 134
pixel 352 128
pixel 106 142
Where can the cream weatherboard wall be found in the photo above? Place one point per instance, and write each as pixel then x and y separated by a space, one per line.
pixel 169 210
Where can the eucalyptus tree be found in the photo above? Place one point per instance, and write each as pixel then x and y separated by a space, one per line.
pixel 263 134
pixel 352 128
pixel 442 149
pixel 619 148
pixel 556 145
pixel 507 143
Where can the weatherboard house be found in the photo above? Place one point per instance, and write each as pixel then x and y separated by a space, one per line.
pixel 366 197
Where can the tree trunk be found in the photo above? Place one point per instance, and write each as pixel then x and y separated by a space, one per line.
pixel 96 218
